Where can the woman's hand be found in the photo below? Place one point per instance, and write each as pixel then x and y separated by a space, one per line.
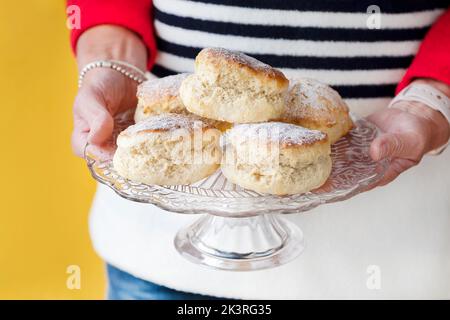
pixel 409 131
pixel 105 92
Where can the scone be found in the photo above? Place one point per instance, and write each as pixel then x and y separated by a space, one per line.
pixel 233 87
pixel 314 105
pixel 276 157
pixel 168 149
pixel 158 96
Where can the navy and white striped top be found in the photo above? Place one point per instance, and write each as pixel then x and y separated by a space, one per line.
pixel 328 40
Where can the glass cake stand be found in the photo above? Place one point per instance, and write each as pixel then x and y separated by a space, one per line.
pixel 242 229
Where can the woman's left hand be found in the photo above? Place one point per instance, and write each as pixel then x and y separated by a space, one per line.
pixel 409 131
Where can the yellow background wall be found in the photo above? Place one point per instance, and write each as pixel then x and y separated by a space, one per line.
pixel 45 191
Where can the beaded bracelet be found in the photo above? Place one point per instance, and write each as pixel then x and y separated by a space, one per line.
pixel 123 67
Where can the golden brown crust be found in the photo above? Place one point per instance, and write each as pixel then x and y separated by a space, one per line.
pixel 314 105
pixel 158 96
pixel 148 98
pixel 149 102
pixel 312 101
pixel 276 158
pixel 167 122
pixel 154 90
pixel 292 145
pixel 308 123
pixel 148 108
pixel 317 124
pixel 204 129
pixel 218 56
pixel 287 136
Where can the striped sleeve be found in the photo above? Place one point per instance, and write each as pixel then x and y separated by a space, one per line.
pixel 433 58
pixel 134 15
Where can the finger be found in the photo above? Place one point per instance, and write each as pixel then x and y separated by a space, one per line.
pixel 395 145
pixel 90 107
pixel 396 167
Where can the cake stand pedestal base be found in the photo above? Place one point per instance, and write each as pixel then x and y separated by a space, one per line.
pixel 240 243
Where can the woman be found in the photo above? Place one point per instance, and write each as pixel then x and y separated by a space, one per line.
pixel 402 230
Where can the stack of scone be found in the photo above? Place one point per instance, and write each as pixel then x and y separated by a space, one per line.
pixel 280 141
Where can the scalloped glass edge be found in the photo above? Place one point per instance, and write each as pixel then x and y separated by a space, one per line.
pixel 182 202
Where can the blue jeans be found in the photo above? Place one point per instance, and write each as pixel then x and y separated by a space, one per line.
pixel 124 286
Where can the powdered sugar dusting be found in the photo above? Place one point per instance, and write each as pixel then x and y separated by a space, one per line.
pixel 244 59
pixel 311 99
pixel 166 122
pixel 276 132
pixel 167 86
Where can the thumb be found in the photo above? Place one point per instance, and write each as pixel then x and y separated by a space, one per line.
pixel 394 145
pixel 101 126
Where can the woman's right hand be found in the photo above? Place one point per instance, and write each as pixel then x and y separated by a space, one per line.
pixel 104 92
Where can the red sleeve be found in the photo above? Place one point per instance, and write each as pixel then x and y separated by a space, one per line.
pixel 433 58
pixel 134 15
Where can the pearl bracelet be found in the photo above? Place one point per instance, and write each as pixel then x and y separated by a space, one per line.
pixel 123 67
